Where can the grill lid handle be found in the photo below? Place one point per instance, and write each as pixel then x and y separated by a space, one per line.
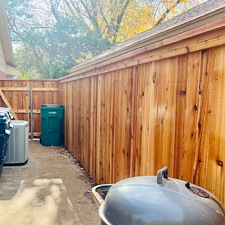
pixel 97 192
pixel 162 172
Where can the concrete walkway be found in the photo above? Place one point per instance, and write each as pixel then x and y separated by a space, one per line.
pixel 51 189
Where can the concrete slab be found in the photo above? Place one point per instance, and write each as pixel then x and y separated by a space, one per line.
pixel 51 189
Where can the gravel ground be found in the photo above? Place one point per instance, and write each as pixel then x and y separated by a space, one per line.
pixel 51 188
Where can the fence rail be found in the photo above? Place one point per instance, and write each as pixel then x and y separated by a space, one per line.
pixel 162 107
pixel 15 94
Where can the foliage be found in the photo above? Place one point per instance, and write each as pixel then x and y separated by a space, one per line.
pixel 48 50
pixel 51 36
pixel 24 76
pixel 118 20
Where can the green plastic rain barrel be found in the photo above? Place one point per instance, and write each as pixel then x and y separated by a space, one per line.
pixel 52 129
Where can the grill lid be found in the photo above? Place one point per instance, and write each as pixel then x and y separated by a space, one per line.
pixel 3 118
pixel 7 111
pixel 153 200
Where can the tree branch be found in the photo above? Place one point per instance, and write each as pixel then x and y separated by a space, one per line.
pixel 102 14
pixel 118 20
pixel 167 12
pixel 91 17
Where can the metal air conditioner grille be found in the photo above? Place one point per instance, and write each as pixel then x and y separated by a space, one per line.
pixel 17 153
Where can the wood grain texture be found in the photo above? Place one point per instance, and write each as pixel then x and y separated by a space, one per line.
pixel 135 120
pixel 190 42
pixel 17 94
pixel 164 106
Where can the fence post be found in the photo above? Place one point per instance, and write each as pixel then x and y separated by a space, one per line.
pixel 31 114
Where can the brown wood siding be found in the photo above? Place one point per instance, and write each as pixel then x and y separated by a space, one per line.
pixel 18 95
pixel 135 120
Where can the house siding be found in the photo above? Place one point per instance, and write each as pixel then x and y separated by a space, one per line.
pixel 2 63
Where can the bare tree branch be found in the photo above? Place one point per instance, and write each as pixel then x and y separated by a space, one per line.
pixel 162 18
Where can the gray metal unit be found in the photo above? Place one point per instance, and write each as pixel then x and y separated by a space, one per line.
pixel 17 153
pixel 151 200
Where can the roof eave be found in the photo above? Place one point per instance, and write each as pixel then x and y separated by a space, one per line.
pixel 5 36
pixel 10 70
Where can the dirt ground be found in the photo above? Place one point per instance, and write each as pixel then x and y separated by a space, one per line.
pixel 50 189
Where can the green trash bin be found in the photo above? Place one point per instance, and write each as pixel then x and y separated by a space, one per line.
pixel 52 120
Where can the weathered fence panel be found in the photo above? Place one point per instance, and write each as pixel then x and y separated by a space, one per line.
pixel 15 94
pixel 163 107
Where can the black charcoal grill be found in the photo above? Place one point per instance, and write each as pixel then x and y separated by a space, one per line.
pixel 155 200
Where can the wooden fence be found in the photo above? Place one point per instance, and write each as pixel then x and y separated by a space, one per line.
pixel 164 106
pixel 15 94
pixel 129 116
